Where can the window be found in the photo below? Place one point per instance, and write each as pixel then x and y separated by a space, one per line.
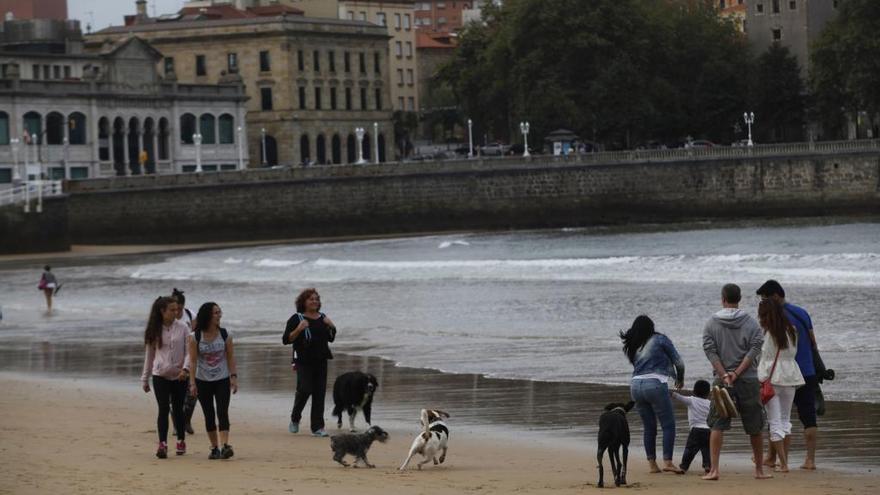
pixel 76 128
pixel 46 72
pixel 348 99
pixel 406 22
pixel 441 20
pixel 349 15
pixel 397 21
pixel 378 99
pixel 331 56
pixel 400 77
pixel 409 51
pixel 376 63
pixel 302 98
pixel 317 98
pixel 36 71
pixel 777 34
pixel 316 60
pixel 332 98
pixel 775 5
pixel 67 73
pixel 265 61
pixel 56 72
pixel 5 175
pixel 232 62
pixel 169 65
pixel 411 104
pixel 187 128
pixel 380 19
pixel 362 16
pixel 759 8
pixel 300 60
pixel 363 98
pixel 347 61
pixel 400 103
pixel 206 129
pixel 362 62
pixel 266 99
pixel 4 128
pixel 227 129
pixel 398 49
pixel 409 77
pixel 201 70
pixel 792 5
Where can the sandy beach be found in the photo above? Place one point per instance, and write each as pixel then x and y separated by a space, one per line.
pixel 66 435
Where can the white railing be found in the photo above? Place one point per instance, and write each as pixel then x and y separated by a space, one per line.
pixel 29 192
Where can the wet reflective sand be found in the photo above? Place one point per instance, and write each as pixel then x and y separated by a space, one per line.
pixel 567 412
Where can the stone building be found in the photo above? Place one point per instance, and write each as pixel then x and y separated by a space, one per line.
pixel 311 81
pixel 735 12
pixel 397 16
pixel 34 9
pixel 795 24
pixel 108 112
pixel 444 16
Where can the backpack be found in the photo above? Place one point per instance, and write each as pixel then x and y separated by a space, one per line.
pixel 223 333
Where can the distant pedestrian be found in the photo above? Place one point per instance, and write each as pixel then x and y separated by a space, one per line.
pixel 698 437
pixel 212 357
pixel 654 361
pixel 310 332
pixel 778 365
pixel 48 284
pixel 185 316
pixel 732 342
pixel 165 356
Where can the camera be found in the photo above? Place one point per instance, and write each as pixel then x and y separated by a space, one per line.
pixel 828 374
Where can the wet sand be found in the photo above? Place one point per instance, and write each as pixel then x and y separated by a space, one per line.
pixel 556 413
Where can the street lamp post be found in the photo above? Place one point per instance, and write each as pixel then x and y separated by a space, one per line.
pixel 197 139
pixel 524 129
pixel 470 138
pixel 27 176
pixel 375 142
pixel 66 142
pixel 16 174
pixel 360 145
pixel 749 117
pixel 240 153
pixel 263 138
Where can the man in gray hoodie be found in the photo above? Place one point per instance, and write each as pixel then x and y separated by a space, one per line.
pixel 732 342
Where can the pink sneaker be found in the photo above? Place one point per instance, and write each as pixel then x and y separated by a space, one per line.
pixel 162 451
pixel 181 447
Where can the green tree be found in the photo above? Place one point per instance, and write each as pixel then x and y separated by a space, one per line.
pixel 845 69
pixel 777 96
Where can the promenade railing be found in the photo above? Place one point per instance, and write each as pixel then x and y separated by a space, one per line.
pixel 30 191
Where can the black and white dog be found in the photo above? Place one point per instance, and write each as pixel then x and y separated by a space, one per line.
pixel 431 440
pixel 356 444
pixel 352 391
pixel 614 434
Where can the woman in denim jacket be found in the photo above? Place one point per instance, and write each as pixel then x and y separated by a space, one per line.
pixel 654 360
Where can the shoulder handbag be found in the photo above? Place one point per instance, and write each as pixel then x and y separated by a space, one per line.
pixel 767 391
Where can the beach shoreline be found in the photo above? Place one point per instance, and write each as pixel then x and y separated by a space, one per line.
pixel 82 436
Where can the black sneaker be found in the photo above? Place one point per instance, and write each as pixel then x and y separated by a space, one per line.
pixel 189 429
pixel 227 452
pixel 215 454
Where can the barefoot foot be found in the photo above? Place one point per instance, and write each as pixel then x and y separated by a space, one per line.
pixel 710 476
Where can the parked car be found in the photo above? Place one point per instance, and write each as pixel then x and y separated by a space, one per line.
pixel 699 143
pixel 742 143
pixel 495 149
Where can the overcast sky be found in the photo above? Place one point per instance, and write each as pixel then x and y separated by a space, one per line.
pixel 103 13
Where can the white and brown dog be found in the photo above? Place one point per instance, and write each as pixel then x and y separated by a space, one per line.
pixel 432 440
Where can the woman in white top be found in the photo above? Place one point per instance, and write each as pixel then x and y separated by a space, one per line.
pixel 780 346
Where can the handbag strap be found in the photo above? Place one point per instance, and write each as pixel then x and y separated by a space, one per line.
pixel 773 368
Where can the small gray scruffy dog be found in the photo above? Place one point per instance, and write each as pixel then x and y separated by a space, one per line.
pixel 356 444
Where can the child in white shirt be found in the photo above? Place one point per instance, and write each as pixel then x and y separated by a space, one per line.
pixel 698 438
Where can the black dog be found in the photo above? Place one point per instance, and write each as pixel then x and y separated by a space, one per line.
pixel 356 444
pixel 614 434
pixel 352 391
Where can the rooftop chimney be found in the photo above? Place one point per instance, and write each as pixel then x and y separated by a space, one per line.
pixel 141 8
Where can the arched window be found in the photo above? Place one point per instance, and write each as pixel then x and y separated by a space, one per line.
pixel 187 128
pixel 206 129
pixel 351 148
pixel 368 146
pixel 336 145
pixel 4 128
pixel 163 138
pixel 54 128
pixel 104 139
pixel 119 145
pixel 321 150
pixel 381 148
pixel 304 151
pixel 227 129
pixel 76 124
pixel 33 126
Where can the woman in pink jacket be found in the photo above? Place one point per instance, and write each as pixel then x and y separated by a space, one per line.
pixel 165 354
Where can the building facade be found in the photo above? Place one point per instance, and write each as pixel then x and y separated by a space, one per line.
pixel 795 24
pixel 735 12
pixel 311 81
pixel 34 9
pixel 443 16
pixel 397 17
pixel 79 115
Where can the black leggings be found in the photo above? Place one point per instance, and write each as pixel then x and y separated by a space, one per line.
pixel 311 380
pixel 170 395
pixel 208 391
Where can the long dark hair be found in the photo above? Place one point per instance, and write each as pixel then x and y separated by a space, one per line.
pixel 634 339
pixel 775 323
pixel 303 297
pixel 153 332
pixel 203 317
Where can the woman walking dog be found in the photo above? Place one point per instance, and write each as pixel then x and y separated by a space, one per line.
pixel 654 360
pixel 212 356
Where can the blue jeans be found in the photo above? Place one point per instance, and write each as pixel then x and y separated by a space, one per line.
pixel 652 401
